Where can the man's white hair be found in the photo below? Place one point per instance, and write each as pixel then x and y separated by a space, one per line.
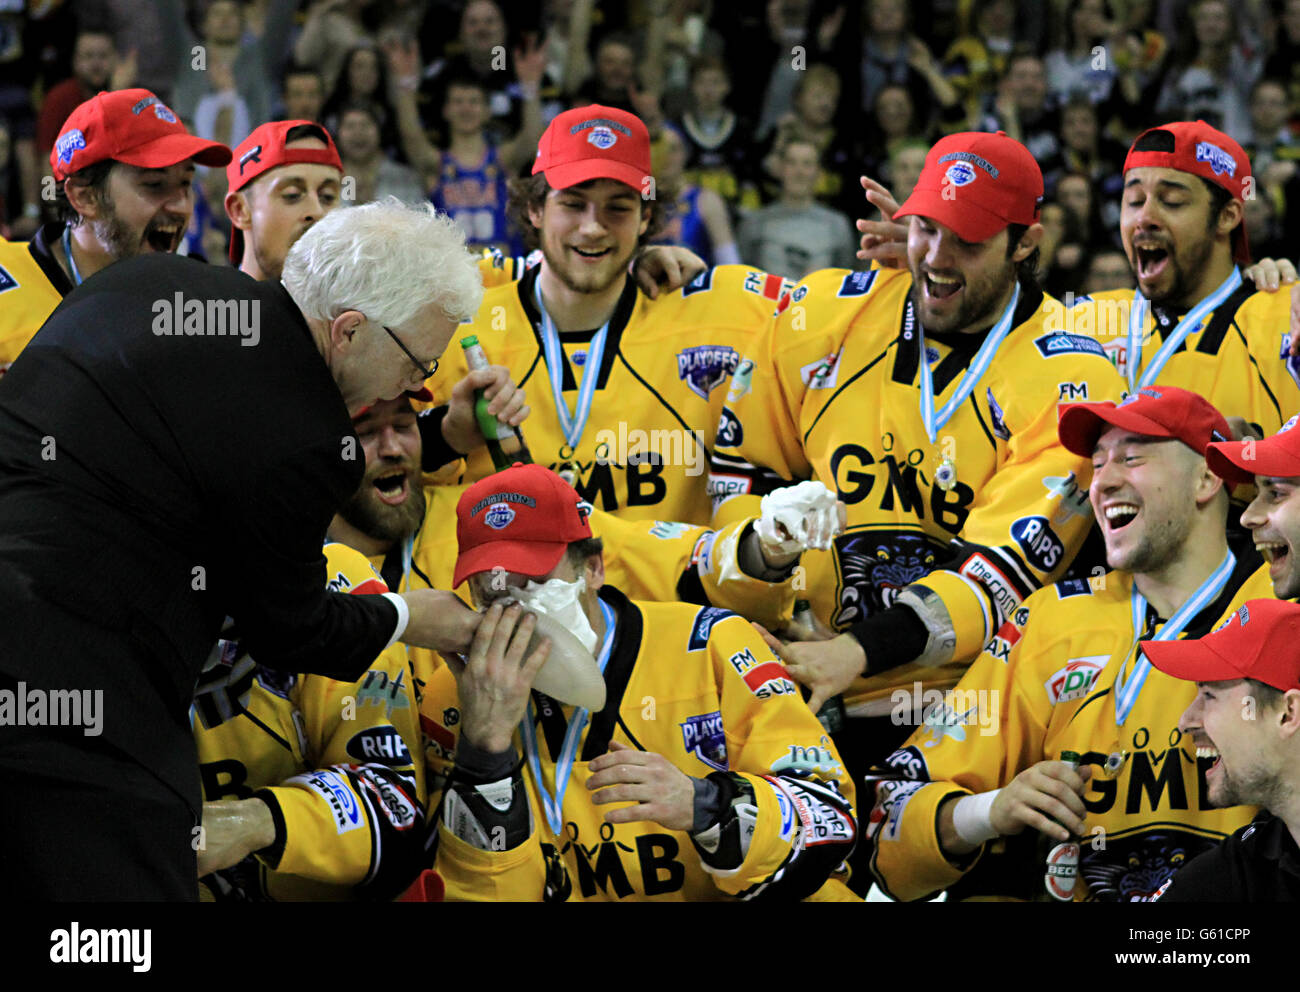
pixel 386 259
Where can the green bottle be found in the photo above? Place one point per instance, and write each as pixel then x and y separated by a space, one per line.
pixel 505 444
pixel 1061 867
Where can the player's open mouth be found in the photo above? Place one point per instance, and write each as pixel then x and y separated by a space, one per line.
pixel 1276 553
pixel 940 287
pixel 1207 751
pixel 163 237
pixel 391 487
pixel 1120 515
pixel 1151 261
pixel 592 255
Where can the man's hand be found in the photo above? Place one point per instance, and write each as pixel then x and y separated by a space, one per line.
pixel 232 830
pixel 505 402
pixel 663 793
pixel 666 266
pixel 825 667
pixel 1270 274
pixel 496 678
pixel 797 518
pixel 882 241
pixel 439 621
pixel 1046 796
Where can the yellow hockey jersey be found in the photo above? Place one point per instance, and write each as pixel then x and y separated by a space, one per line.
pixel 1240 359
pixel 31 286
pixel 334 761
pixel 832 392
pixel 1044 685
pixel 644 451
pixel 698 686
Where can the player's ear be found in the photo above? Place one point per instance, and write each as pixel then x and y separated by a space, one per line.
pixel 1028 243
pixel 343 328
pixel 85 199
pixel 1232 214
pixel 594 571
pixel 238 211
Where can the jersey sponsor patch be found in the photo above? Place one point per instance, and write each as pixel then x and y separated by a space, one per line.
pixel 741 380
pixel 724 486
pixel 857 283
pixel 6 280
pixel 802 761
pixel 703 626
pixel 704 737
pixel 772 287
pixel 786 807
pixel 1292 361
pixel 1038 542
pixel 730 433
pixel 1074 498
pixel 700 284
pixel 997 417
pixel 1072 587
pixel 705 367
pixel 764 678
pixel 336 795
pixel 393 802
pixel 891 803
pixel 909 762
pixel 1068 344
pixel 999 587
pixel 1076 679
pixel 383 745
pixel 823 373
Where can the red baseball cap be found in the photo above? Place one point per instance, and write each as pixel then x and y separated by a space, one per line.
pixel 594 142
pixel 976 183
pixel 1260 641
pixel 131 126
pixel 1278 456
pixel 1195 147
pixel 264 150
pixel 521 519
pixel 1156 411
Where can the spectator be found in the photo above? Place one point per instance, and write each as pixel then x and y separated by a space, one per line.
pixel 1271 144
pixel 332 29
pixel 1263 229
pixel 893 122
pixel 796 235
pixel 374 175
pixel 613 80
pixel 304 93
pixel 698 218
pixel 1077 193
pixel 904 168
pixel 1108 270
pixel 977 61
pixel 680 37
pixel 1246 713
pixel 1212 70
pixel 1063 256
pixel 890 55
pixel 785 27
pixel 816 98
pixel 95 67
pixel 479 52
pixel 153 29
pixel 1283 62
pixel 716 140
pixel 1022 108
pixel 1087 152
pixel 364 79
pixel 1074 66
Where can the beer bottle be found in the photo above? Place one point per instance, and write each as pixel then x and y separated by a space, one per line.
pixel 505 444
pixel 832 714
pixel 1061 868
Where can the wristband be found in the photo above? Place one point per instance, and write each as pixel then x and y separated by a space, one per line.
pixel 403 617
pixel 972 818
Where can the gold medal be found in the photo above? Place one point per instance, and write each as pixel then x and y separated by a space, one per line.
pixel 946 476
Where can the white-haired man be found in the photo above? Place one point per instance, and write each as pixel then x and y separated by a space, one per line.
pixel 192 426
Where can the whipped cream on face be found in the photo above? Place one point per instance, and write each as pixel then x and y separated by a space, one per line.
pixel 562 602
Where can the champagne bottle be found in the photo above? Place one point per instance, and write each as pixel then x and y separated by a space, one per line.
pixel 505 444
pixel 1061 866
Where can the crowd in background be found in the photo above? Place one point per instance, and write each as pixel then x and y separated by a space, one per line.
pixel 764 115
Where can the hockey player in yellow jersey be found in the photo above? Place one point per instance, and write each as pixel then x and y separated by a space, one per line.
pixel 704 776
pixel 123 165
pixel 1065 674
pixel 1193 321
pixel 927 400
pixel 626 391
pixel 310 787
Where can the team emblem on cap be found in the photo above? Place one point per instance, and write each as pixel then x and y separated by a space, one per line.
pixel 1220 161
pixel 68 144
pixel 960 174
pixel 602 137
pixel 499 516
pixel 159 109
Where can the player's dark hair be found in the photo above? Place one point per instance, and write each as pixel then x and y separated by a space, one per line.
pixel 1268 696
pixel 529 192
pixel 580 551
pixel 93 177
pixel 1026 268
pixel 295 69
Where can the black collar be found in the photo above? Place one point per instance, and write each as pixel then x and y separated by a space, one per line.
pixel 42 251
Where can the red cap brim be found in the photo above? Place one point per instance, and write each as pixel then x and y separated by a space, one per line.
pixel 1081 424
pixel 524 557
pixel 576 173
pixel 1192 661
pixel 971 221
pixel 1227 460
pixel 173 148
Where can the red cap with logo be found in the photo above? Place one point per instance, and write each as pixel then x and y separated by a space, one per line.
pixel 131 126
pixel 521 519
pixel 594 143
pixel 1195 147
pixel 1154 411
pixel 976 183
pixel 1260 641
pixel 1277 456
pixel 264 150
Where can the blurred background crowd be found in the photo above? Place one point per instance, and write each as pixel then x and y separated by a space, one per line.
pixel 764 112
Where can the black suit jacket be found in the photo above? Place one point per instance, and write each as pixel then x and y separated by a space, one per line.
pixel 152 484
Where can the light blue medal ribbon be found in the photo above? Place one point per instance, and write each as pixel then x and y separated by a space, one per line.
pixel 554 806
pixel 969 380
pixel 1193 320
pixel 571 424
pixel 1127 687
pixel 72 262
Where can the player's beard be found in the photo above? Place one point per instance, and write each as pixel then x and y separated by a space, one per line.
pixel 1187 263
pixel 1162 543
pixel 118 239
pixel 979 308
pixel 368 514
pixel 581 280
pixel 1253 786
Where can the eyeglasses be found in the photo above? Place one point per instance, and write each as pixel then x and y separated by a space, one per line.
pixel 425 373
